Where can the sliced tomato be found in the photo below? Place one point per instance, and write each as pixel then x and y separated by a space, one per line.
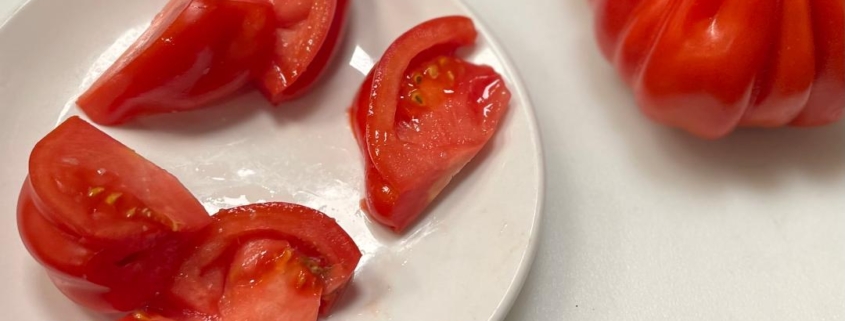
pixel 195 52
pixel 104 221
pixel 307 34
pixel 273 261
pixel 421 115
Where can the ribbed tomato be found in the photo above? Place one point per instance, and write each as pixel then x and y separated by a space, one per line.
pixel 710 66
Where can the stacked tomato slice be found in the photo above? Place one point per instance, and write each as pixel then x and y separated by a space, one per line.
pixel 103 220
pixel 117 233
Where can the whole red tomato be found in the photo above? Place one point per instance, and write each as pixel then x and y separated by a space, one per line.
pixel 710 66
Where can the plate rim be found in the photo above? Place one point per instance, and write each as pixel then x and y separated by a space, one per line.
pixel 528 258
pixel 14 13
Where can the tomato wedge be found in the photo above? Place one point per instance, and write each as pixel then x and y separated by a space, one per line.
pixel 307 34
pixel 105 222
pixel 199 51
pixel 195 52
pixel 421 115
pixel 272 261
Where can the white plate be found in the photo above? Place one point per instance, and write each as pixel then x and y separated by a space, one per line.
pixel 465 261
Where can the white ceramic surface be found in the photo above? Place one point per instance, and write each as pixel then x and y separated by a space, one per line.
pixel 465 261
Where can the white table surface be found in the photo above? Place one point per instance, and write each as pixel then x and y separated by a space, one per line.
pixel 645 223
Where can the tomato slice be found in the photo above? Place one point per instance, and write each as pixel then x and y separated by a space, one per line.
pixel 307 35
pixel 273 261
pixel 421 115
pixel 104 221
pixel 195 52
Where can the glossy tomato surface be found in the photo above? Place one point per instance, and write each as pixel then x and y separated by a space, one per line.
pixel 306 36
pixel 195 52
pixel 709 67
pixel 106 223
pixel 421 115
pixel 272 261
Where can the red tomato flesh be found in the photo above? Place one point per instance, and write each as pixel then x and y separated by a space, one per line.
pixel 307 34
pixel 104 221
pixel 268 282
pixel 273 261
pixel 195 52
pixel 421 115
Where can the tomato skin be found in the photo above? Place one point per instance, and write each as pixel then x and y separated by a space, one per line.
pixel 93 252
pixel 412 151
pixel 195 52
pixel 827 99
pixel 709 67
pixel 307 36
pixel 234 249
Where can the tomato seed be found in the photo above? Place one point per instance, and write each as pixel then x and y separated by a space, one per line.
pixel 113 197
pixel 433 71
pixel 93 191
pixel 416 97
